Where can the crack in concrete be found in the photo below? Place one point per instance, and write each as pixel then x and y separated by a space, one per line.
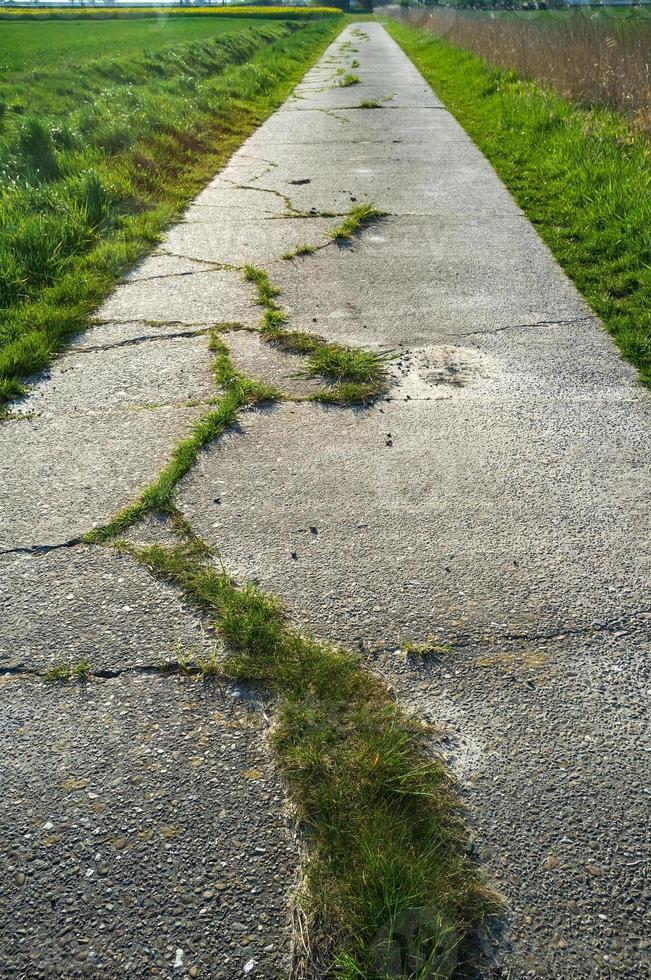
pixel 42 549
pixel 524 326
pixel 165 668
pixel 210 266
pixel 142 339
pixel 289 204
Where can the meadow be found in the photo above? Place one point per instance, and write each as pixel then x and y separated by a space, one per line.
pixel 104 137
pixel 590 57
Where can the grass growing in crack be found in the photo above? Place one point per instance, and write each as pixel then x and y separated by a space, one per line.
pixel 301 250
pixel 240 392
pixel 359 216
pixel 385 838
pixel 348 80
pixel 370 104
pixel 246 390
pixel 360 375
pixel 98 156
pixel 67 671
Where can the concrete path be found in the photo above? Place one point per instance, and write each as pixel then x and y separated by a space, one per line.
pixel 495 501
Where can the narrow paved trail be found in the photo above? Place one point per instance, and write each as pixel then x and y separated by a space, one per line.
pixel 494 505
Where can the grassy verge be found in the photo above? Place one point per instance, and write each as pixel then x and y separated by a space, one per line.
pixel 389 890
pixel 581 176
pixel 96 160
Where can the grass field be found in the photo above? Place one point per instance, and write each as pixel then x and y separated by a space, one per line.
pixel 98 153
pixel 43 45
pixel 583 177
pixel 599 57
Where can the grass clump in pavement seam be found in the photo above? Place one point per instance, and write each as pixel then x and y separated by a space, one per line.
pixel 360 375
pixel 67 671
pixel 301 250
pixel 239 392
pixel 359 216
pixel 370 104
pixel 387 852
pixel 581 175
pixel 348 80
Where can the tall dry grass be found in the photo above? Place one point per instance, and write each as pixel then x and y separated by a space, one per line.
pixel 590 59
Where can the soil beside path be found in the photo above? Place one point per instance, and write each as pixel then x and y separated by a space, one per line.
pixel 492 509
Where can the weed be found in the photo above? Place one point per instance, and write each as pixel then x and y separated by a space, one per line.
pixel 359 216
pixel 430 648
pixel 385 838
pixel 301 250
pixel 67 671
pixel 348 80
pixel 370 104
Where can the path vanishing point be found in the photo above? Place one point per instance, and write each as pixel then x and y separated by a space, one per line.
pixel 496 500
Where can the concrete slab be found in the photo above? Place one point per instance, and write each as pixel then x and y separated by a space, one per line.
pixel 212 296
pixel 383 288
pixel 162 370
pixel 53 497
pixel 92 604
pixel 255 242
pixel 457 517
pixel 142 827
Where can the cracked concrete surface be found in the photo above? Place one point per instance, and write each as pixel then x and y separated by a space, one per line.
pixel 496 500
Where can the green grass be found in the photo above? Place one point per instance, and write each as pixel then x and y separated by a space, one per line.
pixel 370 104
pixel 297 252
pixel 38 47
pixel 581 175
pixel 360 215
pixel 385 842
pixel 96 160
pixel 67 672
pixel 348 80
pixel 360 376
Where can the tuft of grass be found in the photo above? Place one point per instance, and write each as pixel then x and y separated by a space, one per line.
pixel 348 80
pixel 386 843
pixel 301 250
pixel 370 104
pixel 194 664
pixel 430 648
pixel 354 63
pixel 349 364
pixel 65 671
pixel 582 176
pixel 360 215
pixel 360 375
